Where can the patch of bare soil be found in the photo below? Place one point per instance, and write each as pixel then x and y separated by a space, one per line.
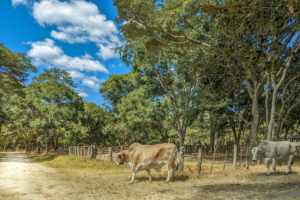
pixel 20 178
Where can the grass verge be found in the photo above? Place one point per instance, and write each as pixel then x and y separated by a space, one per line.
pixel 66 161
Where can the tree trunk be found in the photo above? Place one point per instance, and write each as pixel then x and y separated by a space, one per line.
pixel 48 145
pixel 26 146
pixel 272 116
pixel 255 120
pixel 212 132
pixel 267 100
pixel 39 148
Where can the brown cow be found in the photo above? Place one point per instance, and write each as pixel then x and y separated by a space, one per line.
pixel 144 157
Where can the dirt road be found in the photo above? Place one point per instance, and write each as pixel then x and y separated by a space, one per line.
pixel 20 178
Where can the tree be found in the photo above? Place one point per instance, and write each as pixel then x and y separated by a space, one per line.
pixel 143 119
pixel 14 68
pixel 118 86
pixel 94 119
pixel 57 103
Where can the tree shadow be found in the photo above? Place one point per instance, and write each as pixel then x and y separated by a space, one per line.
pixel 251 190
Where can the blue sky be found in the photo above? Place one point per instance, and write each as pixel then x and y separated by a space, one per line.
pixel 74 35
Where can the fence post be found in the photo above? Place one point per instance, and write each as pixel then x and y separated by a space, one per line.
pixel 234 155
pixel 241 154
pixel 181 159
pixel 247 165
pixel 199 163
pixel 213 160
pixel 225 156
pixel 122 148
pixel 110 154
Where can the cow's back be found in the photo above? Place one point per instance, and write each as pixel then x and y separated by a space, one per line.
pixel 281 150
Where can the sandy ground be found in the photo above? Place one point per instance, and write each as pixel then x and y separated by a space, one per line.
pixel 20 178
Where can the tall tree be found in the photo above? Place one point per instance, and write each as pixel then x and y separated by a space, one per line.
pixel 57 102
pixel 14 68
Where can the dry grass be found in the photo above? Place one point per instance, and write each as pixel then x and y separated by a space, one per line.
pixel 89 179
pixel 67 177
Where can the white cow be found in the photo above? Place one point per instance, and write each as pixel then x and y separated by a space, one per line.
pixel 277 152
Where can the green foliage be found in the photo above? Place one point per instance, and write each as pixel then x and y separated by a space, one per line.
pixel 118 86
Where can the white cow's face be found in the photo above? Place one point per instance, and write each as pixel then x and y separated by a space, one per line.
pixel 257 153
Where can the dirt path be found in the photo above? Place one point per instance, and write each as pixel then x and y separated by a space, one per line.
pixel 25 179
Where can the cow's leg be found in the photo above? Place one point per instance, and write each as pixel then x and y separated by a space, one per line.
pixel 173 170
pixel 170 172
pixel 274 164
pixel 148 172
pixel 134 171
pixel 267 163
pixel 289 164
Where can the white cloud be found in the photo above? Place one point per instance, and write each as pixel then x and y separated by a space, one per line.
pixel 88 81
pixel 76 74
pixel 47 53
pixel 107 52
pixel 92 82
pixel 18 2
pixel 83 94
pixel 78 21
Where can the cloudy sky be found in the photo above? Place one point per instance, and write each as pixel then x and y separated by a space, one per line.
pixel 74 35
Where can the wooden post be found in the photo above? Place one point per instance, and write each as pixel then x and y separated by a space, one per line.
pixel 181 159
pixel 199 162
pixel 247 165
pixel 213 160
pixel 225 156
pixel 241 154
pixel 122 148
pixel 234 155
pixel 110 154
pixel 69 150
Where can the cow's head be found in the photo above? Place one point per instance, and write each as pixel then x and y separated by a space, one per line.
pixel 258 152
pixel 254 153
pixel 121 158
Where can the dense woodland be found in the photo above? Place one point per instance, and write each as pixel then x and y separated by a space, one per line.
pixel 203 71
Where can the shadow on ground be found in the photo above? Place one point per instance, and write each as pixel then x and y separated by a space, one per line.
pixel 250 190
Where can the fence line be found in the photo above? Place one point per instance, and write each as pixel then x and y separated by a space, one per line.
pixel 197 152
